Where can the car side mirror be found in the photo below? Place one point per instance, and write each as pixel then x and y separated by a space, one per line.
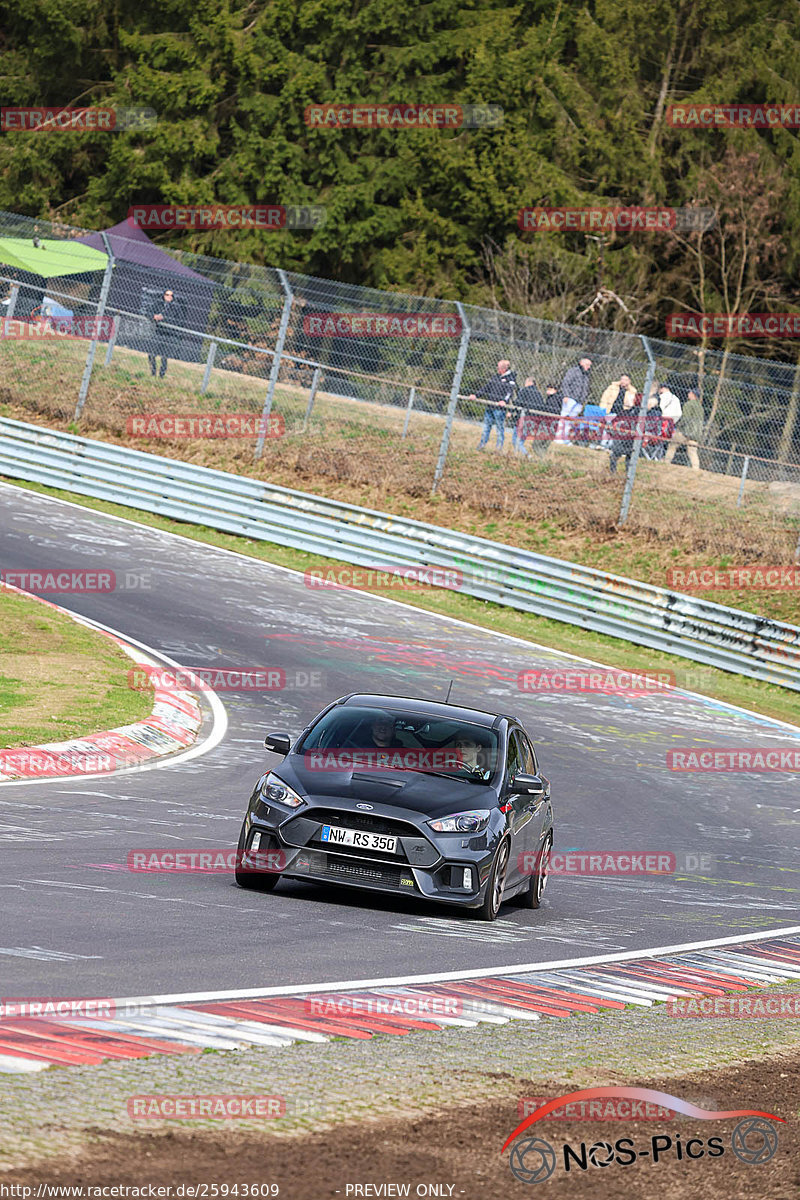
pixel 278 743
pixel 527 785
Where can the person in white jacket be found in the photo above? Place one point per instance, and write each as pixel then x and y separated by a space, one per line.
pixel 670 404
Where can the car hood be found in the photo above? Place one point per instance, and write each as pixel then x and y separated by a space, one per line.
pixel 431 795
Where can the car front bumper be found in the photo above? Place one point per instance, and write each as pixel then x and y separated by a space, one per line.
pixel 422 868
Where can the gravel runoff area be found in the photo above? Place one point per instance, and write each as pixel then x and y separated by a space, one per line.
pixel 422 1109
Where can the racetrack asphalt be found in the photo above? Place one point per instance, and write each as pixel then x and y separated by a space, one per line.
pixel 78 922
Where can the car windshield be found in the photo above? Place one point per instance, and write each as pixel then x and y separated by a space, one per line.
pixel 351 736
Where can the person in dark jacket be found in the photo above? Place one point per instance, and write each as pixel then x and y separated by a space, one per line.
pixel 575 390
pixel 553 399
pixel 625 413
pixel 165 312
pixel 529 404
pixel 654 445
pixel 498 391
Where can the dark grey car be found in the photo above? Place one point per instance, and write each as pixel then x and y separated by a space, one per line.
pixel 406 796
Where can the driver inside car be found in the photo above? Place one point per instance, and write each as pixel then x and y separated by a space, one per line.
pixel 471 752
pixel 381 733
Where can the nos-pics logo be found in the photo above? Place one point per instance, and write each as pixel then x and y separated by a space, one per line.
pixel 754 1139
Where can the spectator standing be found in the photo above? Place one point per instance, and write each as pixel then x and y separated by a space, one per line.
pixel 671 407
pixel 529 401
pixel 625 413
pixel 688 431
pixel 653 446
pixel 612 391
pixel 612 401
pixel 575 389
pixel 165 312
pixel 498 391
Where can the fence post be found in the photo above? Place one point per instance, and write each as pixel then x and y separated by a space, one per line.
pixel 112 341
pixel 312 395
pixel 411 396
pixel 637 445
pixel 101 308
pixel 744 476
pixel 454 391
pixel 276 362
pixel 212 354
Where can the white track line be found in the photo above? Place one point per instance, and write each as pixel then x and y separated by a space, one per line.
pixel 200 997
pixel 305 989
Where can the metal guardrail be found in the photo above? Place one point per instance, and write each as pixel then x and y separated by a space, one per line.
pixel 673 622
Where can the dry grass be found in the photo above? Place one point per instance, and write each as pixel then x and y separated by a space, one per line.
pixel 564 503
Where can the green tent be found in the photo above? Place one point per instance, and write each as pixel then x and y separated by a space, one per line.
pixel 51 259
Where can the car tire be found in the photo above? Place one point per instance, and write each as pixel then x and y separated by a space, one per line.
pixel 490 909
pixel 255 881
pixel 532 898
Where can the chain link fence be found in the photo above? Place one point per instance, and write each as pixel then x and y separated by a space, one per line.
pixel 305 379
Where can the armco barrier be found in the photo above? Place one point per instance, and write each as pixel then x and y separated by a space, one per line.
pixel 687 626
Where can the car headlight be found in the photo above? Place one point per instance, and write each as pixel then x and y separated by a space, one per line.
pixel 466 822
pixel 274 789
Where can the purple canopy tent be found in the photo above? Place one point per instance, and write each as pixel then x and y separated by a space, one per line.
pixel 142 272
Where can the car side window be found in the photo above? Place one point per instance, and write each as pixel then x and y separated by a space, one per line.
pixel 514 763
pixel 530 766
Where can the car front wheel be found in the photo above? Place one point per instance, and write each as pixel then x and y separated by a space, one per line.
pixel 490 908
pixel 532 898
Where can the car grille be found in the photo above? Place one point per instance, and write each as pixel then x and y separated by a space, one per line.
pixel 364 823
pixel 343 868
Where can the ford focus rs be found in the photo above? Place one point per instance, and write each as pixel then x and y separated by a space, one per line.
pixel 406 796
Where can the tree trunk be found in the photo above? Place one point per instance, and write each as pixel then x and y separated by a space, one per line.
pixel 787 436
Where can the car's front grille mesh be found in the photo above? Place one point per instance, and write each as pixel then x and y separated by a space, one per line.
pixel 364 823
pixel 342 868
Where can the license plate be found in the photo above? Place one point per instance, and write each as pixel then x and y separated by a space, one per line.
pixel 355 837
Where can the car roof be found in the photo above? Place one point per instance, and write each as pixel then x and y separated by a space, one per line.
pixel 428 708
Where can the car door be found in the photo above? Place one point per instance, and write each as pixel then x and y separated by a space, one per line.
pixel 517 807
pixel 538 806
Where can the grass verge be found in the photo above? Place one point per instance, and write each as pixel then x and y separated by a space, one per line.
pixel 58 679
pixel 765 698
